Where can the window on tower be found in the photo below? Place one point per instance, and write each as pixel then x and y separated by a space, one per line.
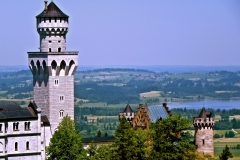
pixel 50 50
pixel 16 146
pixel 61 98
pixel 59 49
pixel 56 82
pixel 61 113
pixel 49 41
pixel 27 145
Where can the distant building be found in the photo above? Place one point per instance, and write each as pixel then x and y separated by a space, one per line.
pixel 144 116
pixel 203 125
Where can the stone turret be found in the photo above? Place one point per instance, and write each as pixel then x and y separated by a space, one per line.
pixel 204 124
pixel 127 113
pixel 52 26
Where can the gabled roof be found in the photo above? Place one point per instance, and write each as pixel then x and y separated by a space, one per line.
pixel 45 120
pixel 156 112
pixel 52 11
pixel 10 110
pixel 204 114
pixel 128 109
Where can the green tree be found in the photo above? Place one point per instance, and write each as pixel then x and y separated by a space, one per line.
pixel 106 134
pixel 225 154
pixel 92 149
pixel 104 152
pixel 124 143
pixel 168 139
pixel 99 133
pixel 66 142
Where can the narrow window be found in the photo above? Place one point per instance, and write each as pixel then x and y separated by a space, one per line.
pixel 28 125
pixel 50 50
pixel 203 141
pixel 16 146
pixel 50 20
pixel 56 83
pixel 61 98
pixel 6 127
pixel 61 113
pixel 55 20
pixel 17 124
pixel 14 126
pixel 59 49
pixel 0 127
pixel 25 126
pixel 44 20
pixel 27 145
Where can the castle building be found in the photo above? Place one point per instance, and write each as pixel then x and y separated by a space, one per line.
pixel 53 67
pixel 144 116
pixel 25 132
pixel 20 132
pixel 203 125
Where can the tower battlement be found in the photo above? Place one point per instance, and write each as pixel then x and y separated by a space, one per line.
pixel 207 123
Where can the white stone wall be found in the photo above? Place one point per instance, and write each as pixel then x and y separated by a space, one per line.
pixel 52 34
pixel 21 137
pixel 45 88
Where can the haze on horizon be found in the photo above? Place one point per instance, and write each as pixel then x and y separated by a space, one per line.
pixel 136 32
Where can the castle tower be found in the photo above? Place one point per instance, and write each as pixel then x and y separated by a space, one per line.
pixel 204 124
pixel 127 113
pixel 53 67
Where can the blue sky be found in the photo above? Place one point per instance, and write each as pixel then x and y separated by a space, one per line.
pixel 130 32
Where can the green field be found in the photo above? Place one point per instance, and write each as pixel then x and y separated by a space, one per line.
pixel 219 145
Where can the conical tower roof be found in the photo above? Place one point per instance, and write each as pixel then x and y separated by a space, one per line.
pixel 128 109
pixel 204 114
pixel 52 10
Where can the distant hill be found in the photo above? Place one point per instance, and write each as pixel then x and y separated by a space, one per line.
pixel 154 68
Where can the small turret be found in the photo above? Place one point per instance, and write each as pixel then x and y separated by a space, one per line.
pixel 127 113
pixel 204 124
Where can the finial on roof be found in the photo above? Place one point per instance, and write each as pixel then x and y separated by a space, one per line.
pixel 46 7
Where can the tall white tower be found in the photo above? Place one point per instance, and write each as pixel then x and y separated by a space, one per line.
pixel 53 67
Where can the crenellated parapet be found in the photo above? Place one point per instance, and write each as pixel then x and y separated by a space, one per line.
pixel 207 123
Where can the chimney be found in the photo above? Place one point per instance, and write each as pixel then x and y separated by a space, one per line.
pixel 46 7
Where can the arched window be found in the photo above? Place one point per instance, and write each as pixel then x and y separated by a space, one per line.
pixel 32 67
pixel 38 68
pixel 71 67
pixel 16 146
pixel 59 49
pixel 54 68
pixel 27 145
pixel 50 49
pixel 62 68
pixel 44 67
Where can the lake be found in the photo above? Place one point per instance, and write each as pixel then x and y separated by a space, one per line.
pixel 207 103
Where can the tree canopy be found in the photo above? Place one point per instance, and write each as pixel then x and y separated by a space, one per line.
pixel 66 142
pixel 225 154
